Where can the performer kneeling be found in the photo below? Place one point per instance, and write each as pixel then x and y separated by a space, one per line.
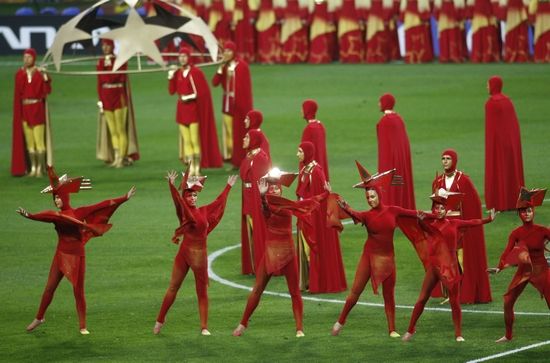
pixel 195 225
pixel 279 256
pixel 525 249
pixel 74 227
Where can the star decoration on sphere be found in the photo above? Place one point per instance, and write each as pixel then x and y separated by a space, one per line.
pixel 166 18
pixel 90 22
pixel 198 27
pixel 137 37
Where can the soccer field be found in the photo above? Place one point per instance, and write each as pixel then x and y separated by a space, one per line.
pixel 128 269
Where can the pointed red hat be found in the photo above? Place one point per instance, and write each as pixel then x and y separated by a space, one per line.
pixel 194 183
pixel 530 198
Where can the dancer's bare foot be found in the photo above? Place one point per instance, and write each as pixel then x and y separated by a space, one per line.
pixel 503 340
pixel 407 337
pixel 84 331
pixel 239 330
pixel 336 329
pixel 459 338
pixel 205 332
pixel 394 334
pixel 34 324
pixel 300 334
pixel 158 326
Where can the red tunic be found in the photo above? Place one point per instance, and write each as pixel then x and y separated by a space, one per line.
pixel 541 13
pixel 516 40
pixel 268 33
pixel 452 43
pixel 244 31
pixel 237 101
pixel 294 34
pixel 326 267
pixel 314 132
pixel 350 34
pixel 183 84
pixel 418 39
pixel 219 21
pixel 485 37
pixel 321 35
pixel 394 151
pixel 111 88
pixel 503 155
pixel 381 35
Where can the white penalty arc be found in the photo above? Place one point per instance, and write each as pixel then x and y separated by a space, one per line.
pixel 509 352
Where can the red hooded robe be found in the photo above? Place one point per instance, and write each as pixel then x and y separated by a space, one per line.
pixel 314 132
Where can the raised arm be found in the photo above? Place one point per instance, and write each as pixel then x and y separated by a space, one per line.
pixel 216 209
pixel 465 223
pixel 355 215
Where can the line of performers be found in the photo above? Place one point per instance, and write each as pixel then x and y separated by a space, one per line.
pixel 354 31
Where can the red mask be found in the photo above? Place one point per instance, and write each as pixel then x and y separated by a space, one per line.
pixel 454 156
pixel 256 119
pixel 309 151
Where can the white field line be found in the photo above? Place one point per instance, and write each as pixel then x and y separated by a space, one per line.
pixel 510 352
pixel 213 256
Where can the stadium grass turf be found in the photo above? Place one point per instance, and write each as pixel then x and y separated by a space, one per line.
pixel 128 269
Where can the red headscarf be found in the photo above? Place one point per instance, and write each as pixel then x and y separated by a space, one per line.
pixel 107 42
pixel 495 85
pixel 184 49
pixel 255 139
pixel 309 109
pixel 387 101
pixel 454 156
pixel 378 191
pixel 309 151
pixel 32 53
pixel 256 119
pixel 230 46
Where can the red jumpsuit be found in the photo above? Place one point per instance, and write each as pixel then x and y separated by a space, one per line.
pixel 377 262
pixel 531 238
pixel 443 266
pixel 195 225
pixel 74 228
pixel 184 85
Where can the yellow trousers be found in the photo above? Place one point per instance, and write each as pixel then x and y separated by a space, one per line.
pixel 34 137
pixel 228 135
pixel 116 122
pixel 191 139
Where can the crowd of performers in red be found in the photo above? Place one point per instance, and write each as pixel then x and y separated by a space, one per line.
pixel 449 240
pixel 355 31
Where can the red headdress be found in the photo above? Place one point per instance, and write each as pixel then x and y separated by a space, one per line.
pixel 191 183
pixel 451 200
pixel 107 41
pixel 379 180
pixel 309 109
pixel 184 49
pixel 230 46
pixel 256 118
pixel 63 186
pixel 309 151
pixel 387 102
pixel 31 52
pixel 255 139
pixel 495 85
pixel 530 198
pixel 454 156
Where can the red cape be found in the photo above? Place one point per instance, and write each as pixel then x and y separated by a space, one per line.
pixel 314 132
pixel 18 154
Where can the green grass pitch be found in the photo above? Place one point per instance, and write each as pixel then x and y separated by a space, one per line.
pixel 128 269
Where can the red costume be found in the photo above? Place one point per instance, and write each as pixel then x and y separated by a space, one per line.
pixel 195 225
pixel 381 35
pixel 235 79
pixel 450 28
pixel 503 156
pixel 475 286
pixel 30 107
pixel 254 166
pixel 326 269
pixel 256 118
pixel 418 41
pixel 74 227
pixel 540 13
pixel 268 33
pixel 314 132
pixel 525 248
pixel 294 34
pixel 350 34
pixel 394 151
pixel 516 40
pixel 219 21
pixel 485 33
pixel 244 35
pixel 321 34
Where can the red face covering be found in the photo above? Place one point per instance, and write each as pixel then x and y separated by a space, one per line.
pixel 32 53
pixel 256 119
pixel 454 156
pixel 309 151
pixel 309 109
pixel 495 85
pixel 387 102
pixel 255 139
pixel 65 199
pixel 378 191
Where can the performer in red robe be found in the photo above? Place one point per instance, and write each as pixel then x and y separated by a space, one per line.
pixel 316 239
pixel 525 248
pixel 394 151
pixel 268 32
pixel 442 235
pixel 539 12
pixel 321 34
pixel 377 262
pixel 31 137
pixel 234 77
pixel 198 138
pixel 255 165
pixel 350 34
pixel 279 256
pixel 485 33
pixel 74 227
pixel 503 156
pixel 195 225
pixel 516 40
pixel 116 137
pixel 314 132
pixel 294 34
pixel 472 253
pixel 381 35
pixel 450 28
pixel 415 15
pixel 244 32
pixel 253 121
pixel 219 21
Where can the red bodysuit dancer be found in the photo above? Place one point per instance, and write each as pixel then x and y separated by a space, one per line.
pixel 377 261
pixel 74 227
pixel 279 256
pixel 195 225
pixel 442 262
pixel 525 249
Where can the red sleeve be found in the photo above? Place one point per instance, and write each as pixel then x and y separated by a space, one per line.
pixel 402 212
pixel 216 209
pixel 173 83
pixel 463 223
pixel 99 67
pixel 511 244
pixel 218 77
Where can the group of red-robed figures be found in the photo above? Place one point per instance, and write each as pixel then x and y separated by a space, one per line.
pixel 354 31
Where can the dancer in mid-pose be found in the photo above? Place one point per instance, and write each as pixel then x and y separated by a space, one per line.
pixel 74 227
pixel 525 249
pixel 195 225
